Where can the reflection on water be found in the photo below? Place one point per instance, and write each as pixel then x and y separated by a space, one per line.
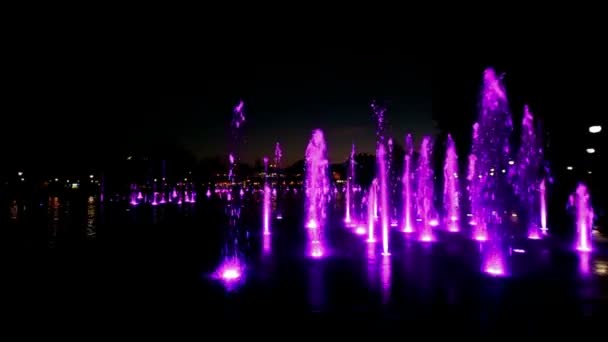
pixel 584 263
pixel 372 265
pixel 316 287
pixel 91 231
pixel 267 247
pixel 600 268
pixel 385 278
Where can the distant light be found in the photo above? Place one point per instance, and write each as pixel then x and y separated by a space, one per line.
pixel 163 178
pixel 504 171
pixel 569 168
pixel 91 176
pixel 595 129
pixel 129 157
pixel 514 214
pixel 67 181
pixel 492 174
pixel 185 179
pixel 492 170
pixel 20 173
pixel 589 172
pixel 56 179
pixel 22 179
pixel 511 162
pixel 155 180
pixel 519 250
pixel 590 150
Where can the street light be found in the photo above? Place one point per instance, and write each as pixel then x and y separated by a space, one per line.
pixel 591 150
pixel 595 129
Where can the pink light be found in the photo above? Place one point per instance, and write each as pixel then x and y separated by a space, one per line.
pixel 581 201
pixel 231 274
pixel 481 238
pixel 360 230
pixel 383 197
pixel 534 235
pixel 519 250
pixel 495 271
pixel 208 193
pixel 140 196
pixel 543 206
pixel 426 238
pixel 434 223
pixel 279 217
pixel 266 208
pixel 408 229
pixel 312 224
pixel 394 224
pixel 267 244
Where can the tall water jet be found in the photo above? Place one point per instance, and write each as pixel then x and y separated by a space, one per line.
pixel 266 205
pixel 543 206
pixel 451 190
pixel 382 174
pixel 350 179
pixel 489 189
pixel 580 200
pixel 317 191
pixel 408 226
pixel 424 188
pixel 525 175
pixel 371 213
pixel 278 155
pixel 232 267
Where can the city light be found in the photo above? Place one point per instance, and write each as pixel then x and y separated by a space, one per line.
pixel 589 172
pixel 590 150
pixel 595 129
pixel 511 162
pixel 91 176
pixel 20 173
pixel 569 168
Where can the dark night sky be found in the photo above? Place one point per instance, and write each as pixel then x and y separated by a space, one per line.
pixel 116 89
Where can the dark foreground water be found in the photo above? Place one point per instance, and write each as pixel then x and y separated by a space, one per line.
pixel 111 268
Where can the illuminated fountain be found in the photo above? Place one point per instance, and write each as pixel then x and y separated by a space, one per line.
pixel 489 189
pixel 278 154
pixel 371 207
pixel 154 195
pixel 580 200
pixel 382 175
pixel 266 205
pixel 525 175
pixel 232 267
pixel 451 190
pixel 424 187
pixel 317 192
pixel 408 226
pixel 543 206
pixel 349 188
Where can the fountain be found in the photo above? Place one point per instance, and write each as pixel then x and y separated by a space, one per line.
pixel 450 186
pixel 371 210
pixel 424 187
pixel 543 206
pixel 581 202
pixel 489 189
pixel 278 154
pixel 525 175
pixel 267 195
pixel 382 174
pixel 317 191
pixel 232 267
pixel 349 188
pixel 408 226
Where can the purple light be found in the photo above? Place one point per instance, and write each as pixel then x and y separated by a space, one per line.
pixel 383 198
pixel 317 191
pixel 349 187
pixel 140 196
pixel 425 190
pixel 371 205
pixel 360 230
pixel 543 206
pixel 519 250
pixel 434 223
pixel 230 272
pixel 450 184
pixel 407 185
pixel 267 244
pixel 581 201
pixel 208 193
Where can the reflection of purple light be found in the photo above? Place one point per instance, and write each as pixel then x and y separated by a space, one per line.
pixel 481 237
pixel 267 244
pixel 584 263
pixel 533 234
pixel 140 196
pixel 426 238
pixel 360 230
pixel 162 199
pixel 394 224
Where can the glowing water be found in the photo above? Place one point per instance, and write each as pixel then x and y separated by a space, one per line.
pixel 489 189
pixel 450 186
pixel 408 226
pixel 543 206
pixel 581 201
pixel 383 197
pixel 278 155
pixel 266 205
pixel 349 187
pixel 371 213
pixel 317 191
pixel 424 186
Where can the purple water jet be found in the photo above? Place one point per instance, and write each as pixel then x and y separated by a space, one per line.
pixel 278 155
pixel 266 205
pixel 317 191
pixel 488 189
pixel 450 186
pixel 580 200
pixel 424 187
pixel 371 210
pixel 382 175
pixel 349 187
pixel 525 174
pixel 408 226
pixel 543 206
